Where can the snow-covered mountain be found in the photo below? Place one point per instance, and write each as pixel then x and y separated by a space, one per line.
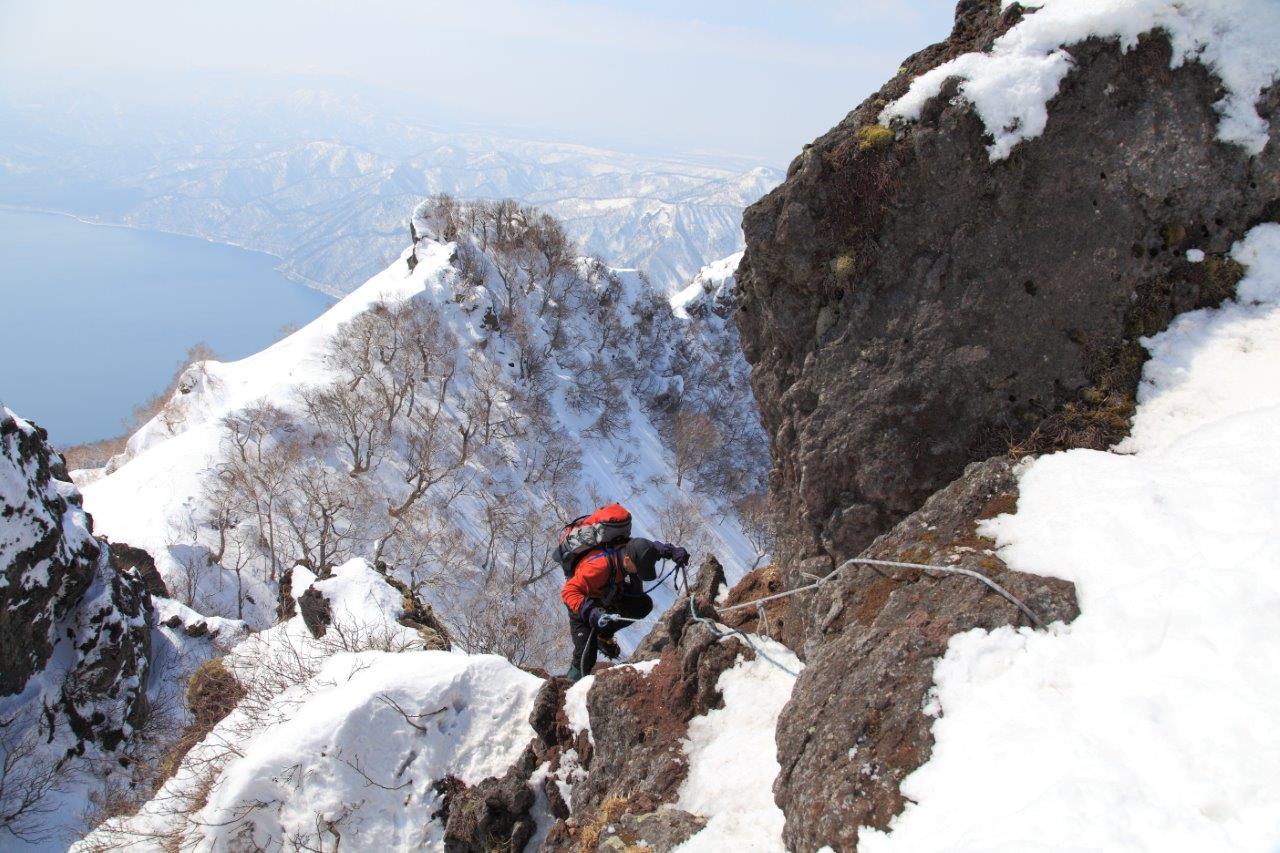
pixel 387 483
pixel 1018 376
pixel 444 419
pixel 325 187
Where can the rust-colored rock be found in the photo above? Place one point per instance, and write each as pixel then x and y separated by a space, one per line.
pixel 855 725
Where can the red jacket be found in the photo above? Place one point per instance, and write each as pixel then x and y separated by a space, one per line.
pixel 591 578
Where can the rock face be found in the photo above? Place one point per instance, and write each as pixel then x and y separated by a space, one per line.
pixel 909 306
pixel 125 557
pixel 627 773
pixel 61 596
pixel 494 814
pixel 856 725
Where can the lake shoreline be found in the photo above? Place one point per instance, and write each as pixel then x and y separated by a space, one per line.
pixel 97 319
pixel 318 286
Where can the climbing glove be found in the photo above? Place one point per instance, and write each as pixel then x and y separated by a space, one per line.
pixel 593 613
pixel 674 553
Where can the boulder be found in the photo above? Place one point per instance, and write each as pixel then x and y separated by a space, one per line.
pixel 909 306
pixel 493 814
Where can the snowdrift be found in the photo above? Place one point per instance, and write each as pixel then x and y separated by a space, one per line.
pixel 1150 718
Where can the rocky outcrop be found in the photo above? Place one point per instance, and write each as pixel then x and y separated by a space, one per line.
pixel 625 775
pixel 418 615
pixel 126 557
pixel 317 611
pixel 707 584
pixel 60 596
pixel 910 306
pixel 494 814
pixel 857 722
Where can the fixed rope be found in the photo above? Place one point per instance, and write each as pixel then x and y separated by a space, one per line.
pixel 758 603
pixel 895 564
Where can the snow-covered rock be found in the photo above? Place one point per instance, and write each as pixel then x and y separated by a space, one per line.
pixel 75 637
pixel 347 735
pixel 1150 716
pixel 1011 84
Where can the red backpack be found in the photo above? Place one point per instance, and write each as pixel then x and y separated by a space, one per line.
pixel 609 525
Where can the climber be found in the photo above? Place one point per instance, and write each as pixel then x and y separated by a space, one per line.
pixel 608 583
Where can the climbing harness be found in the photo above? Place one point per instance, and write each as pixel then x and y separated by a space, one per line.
pixel 758 603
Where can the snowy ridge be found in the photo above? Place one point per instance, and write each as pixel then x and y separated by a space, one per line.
pixel 1151 716
pixel 1011 86
pixel 593 423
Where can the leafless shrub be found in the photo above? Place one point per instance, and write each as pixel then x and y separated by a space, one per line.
pixel 681 521
pixel 757 524
pixel 522 624
pixel 28 780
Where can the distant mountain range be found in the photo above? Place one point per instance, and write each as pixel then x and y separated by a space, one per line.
pixel 327 184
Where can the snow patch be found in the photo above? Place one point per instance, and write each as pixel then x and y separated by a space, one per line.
pixel 733 756
pixel 575 705
pixel 1011 86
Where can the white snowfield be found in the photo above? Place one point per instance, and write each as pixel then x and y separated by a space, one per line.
pixel 1011 86
pixel 1149 723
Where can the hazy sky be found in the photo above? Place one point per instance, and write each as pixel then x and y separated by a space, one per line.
pixel 752 77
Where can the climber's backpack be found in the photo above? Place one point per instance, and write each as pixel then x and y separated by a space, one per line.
pixel 609 525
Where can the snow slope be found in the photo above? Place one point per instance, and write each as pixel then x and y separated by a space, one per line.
pixel 733 756
pixel 341 738
pixel 1149 722
pixel 1011 86
pixel 157 495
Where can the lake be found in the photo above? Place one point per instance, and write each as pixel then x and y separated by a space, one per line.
pixel 95 319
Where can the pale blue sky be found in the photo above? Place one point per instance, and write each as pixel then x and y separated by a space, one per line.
pixel 756 78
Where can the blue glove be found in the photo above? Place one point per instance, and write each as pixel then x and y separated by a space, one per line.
pixel 672 552
pixel 594 613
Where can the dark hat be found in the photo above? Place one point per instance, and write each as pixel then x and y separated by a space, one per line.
pixel 643 553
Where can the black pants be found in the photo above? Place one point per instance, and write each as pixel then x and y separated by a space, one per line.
pixel 584 636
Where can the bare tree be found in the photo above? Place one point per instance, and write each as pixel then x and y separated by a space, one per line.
pixel 28 779
pixel 353 416
pixel 325 515
pixel 757 524
pixel 681 521
pixel 694 440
